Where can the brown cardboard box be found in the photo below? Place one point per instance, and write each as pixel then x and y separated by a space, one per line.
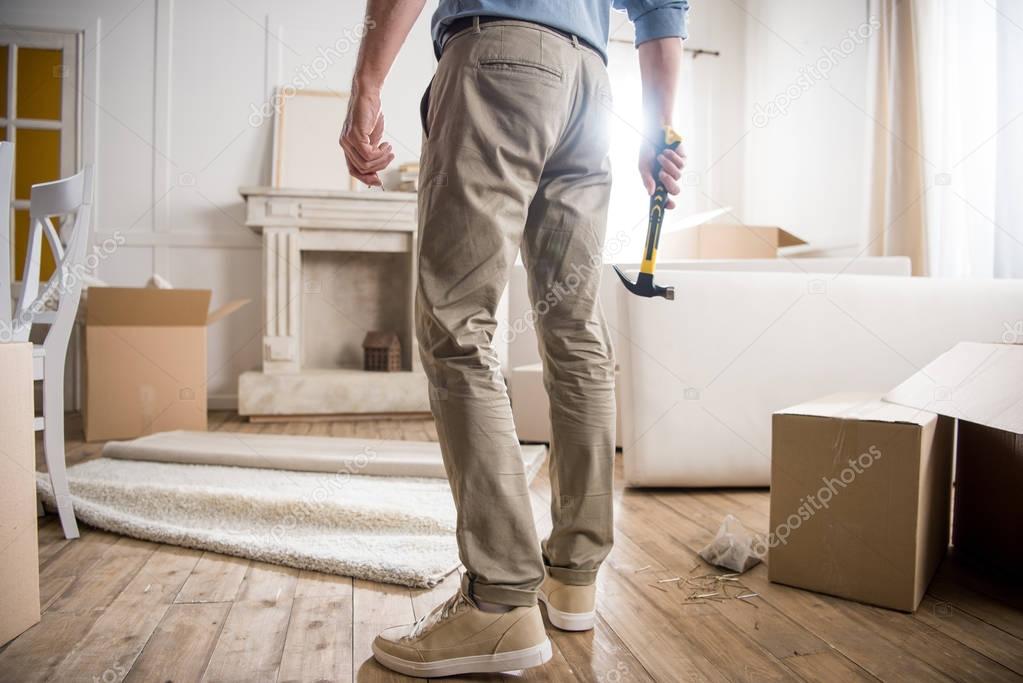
pixel 982 385
pixel 145 360
pixel 860 498
pixel 988 512
pixel 725 241
pixel 19 561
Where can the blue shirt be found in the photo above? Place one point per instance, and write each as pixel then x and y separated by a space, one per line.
pixel 587 19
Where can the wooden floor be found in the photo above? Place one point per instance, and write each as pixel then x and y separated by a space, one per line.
pixel 118 608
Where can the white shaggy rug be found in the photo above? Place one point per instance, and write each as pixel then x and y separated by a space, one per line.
pixel 382 528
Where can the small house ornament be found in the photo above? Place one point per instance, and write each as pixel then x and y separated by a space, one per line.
pixel 381 352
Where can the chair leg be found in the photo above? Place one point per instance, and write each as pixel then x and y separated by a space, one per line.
pixel 53 446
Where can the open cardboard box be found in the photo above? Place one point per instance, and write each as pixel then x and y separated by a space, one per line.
pixel 145 360
pixel 697 236
pixel 726 241
pixel 982 386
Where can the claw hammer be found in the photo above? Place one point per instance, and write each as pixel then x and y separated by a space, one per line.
pixel 644 284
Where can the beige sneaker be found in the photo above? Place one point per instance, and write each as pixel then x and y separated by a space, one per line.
pixel 570 608
pixel 459 638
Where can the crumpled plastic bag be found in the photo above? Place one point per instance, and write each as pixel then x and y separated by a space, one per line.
pixel 734 547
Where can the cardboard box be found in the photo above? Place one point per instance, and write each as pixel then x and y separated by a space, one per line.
pixel 860 498
pixel 19 562
pixel 725 241
pixel 982 386
pixel 987 521
pixel 145 360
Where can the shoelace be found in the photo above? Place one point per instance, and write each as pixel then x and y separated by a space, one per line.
pixel 439 614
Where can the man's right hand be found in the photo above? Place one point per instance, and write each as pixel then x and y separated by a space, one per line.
pixel 671 163
pixel 360 137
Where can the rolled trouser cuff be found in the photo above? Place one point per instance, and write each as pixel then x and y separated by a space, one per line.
pixel 501 595
pixel 573 577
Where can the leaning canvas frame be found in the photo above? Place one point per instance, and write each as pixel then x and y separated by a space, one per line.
pixel 306 154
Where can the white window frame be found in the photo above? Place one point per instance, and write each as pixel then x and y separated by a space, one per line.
pixel 69 125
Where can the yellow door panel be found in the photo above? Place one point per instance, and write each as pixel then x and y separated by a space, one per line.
pixel 40 74
pixel 36 159
pixel 46 264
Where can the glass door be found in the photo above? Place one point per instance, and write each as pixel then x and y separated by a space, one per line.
pixel 39 113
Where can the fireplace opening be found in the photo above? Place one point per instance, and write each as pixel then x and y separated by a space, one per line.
pixel 347 294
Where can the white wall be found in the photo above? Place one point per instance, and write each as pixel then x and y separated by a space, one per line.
pixel 806 169
pixel 709 114
pixel 171 85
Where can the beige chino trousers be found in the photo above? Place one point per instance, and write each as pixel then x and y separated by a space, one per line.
pixel 515 157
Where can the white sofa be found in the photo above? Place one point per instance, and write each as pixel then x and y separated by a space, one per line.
pixel 518 345
pixel 517 339
pixel 701 375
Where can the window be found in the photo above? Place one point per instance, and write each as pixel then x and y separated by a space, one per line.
pixel 39 113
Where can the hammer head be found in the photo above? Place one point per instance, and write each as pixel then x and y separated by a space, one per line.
pixel 644 285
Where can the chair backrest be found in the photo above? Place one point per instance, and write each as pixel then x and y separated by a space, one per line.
pixel 6 238
pixel 70 196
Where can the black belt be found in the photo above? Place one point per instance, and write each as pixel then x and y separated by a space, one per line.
pixel 462 23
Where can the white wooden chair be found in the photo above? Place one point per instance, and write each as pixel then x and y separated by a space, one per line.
pixel 70 198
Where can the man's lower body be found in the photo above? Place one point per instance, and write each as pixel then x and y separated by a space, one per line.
pixel 514 158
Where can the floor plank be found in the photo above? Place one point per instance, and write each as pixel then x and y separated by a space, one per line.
pixel 36 653
pixel 376 606
pixel 318 645
pixel 766 625
pixel 598 655
pixel 51 539
pixel 118 636
pixel 827 666
pixel 319 641
pixel 182 643
pixel 107 577
pixel 729 650
pixel 73 560
pixel 648 633
pixel 116 608
pixel 888 644
pixel 216 578
pixel 993 600
pixel 990 641
pixel 251 643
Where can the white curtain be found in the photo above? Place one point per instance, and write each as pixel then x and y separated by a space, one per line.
pixel 1009 169
pixel 946 145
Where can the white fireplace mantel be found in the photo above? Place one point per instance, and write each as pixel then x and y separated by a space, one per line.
pixel 296 221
